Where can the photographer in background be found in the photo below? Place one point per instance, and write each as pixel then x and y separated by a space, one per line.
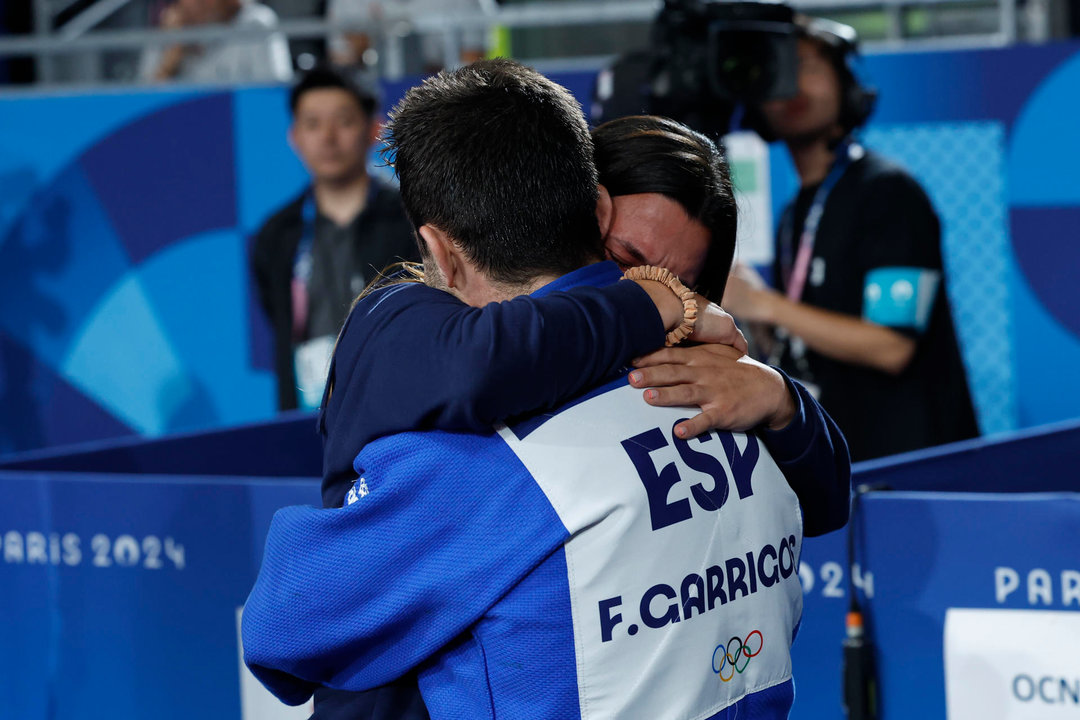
pixel 861 310
pixel 318 252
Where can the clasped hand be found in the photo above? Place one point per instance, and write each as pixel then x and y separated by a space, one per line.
pixel 734 391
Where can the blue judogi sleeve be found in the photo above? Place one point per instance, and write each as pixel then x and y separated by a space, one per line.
pixel 352 598
pixel 411 357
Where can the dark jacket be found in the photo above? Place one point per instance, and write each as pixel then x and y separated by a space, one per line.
pixel 383 236
pixel 879 217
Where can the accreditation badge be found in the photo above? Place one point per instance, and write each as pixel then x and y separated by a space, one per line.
pixel 312 362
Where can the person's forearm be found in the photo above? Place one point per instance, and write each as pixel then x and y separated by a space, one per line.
pixel 473 360
pixel 842 337
pixel 713 325
pixel 668 304
pixel 169 66
pixel 483 365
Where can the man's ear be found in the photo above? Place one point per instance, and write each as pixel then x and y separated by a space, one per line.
pixel 604 210
pixel 443 252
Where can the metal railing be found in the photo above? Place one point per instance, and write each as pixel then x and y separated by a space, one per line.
pixel 78 35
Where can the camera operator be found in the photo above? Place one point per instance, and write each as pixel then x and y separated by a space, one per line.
pixel 861 310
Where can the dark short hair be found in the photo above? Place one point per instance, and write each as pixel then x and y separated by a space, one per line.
pixel 836 44
pixel 651 154
pixel 499 157
pixel 324 77
pixel 839 52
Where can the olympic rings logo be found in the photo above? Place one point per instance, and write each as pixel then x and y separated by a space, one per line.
pixel 735 656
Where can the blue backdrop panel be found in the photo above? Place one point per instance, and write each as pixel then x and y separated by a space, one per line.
pixel 125 302
pixel 121 586
pixel 123 272
pixel 286 447
pixel 1038 460
pixel 817 654
pixel 930 552
pixel 1042 460
pixel 154 157
pixel 961 166
pixel 1030 90
pixel 120 593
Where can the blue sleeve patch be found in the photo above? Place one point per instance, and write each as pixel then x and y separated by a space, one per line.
pixel 900 297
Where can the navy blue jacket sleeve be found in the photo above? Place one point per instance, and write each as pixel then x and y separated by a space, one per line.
pixel 412 357
pixel 813 455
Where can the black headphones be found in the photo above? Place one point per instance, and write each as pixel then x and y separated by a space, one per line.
pixel 841 45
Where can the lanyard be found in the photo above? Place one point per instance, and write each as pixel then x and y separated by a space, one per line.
pixel 795 275
pixel 303 261
pixel 302 264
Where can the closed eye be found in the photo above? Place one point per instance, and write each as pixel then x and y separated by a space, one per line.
pixel 624 254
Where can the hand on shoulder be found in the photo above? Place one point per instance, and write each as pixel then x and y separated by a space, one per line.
pixel 734 391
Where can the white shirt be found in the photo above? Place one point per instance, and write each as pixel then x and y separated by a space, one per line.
pixel 375 11
pixel 243 60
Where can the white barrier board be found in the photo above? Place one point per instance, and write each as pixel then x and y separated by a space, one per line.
pixel 1012 664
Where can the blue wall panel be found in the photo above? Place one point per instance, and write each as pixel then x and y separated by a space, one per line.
pixel 120 593
pixel 125 302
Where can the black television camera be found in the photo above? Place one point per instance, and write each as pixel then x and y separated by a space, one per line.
pixel 709 57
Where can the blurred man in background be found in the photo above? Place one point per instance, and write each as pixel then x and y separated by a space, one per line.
pixel 318 252
pixel 241 60
pixel 861 312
